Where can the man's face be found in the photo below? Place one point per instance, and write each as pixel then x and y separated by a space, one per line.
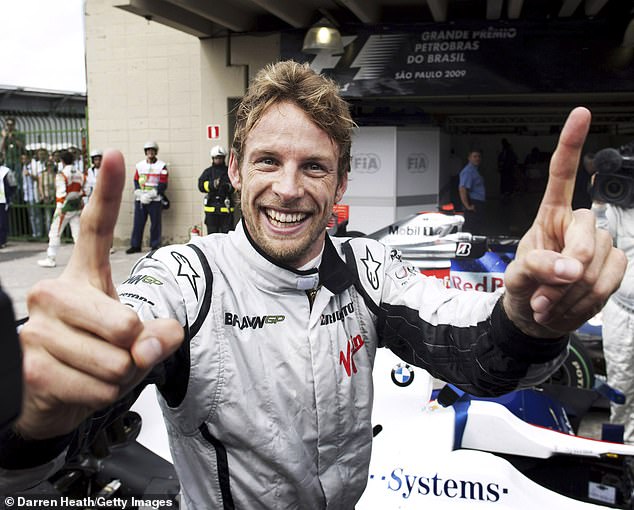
pixel 474 158
pixel 218 160
pixel 288 184
pixel 96 161
pixel 150 154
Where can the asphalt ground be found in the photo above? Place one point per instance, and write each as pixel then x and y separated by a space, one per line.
pixel 19 270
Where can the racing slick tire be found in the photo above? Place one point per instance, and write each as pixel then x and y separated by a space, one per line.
pixel 577 370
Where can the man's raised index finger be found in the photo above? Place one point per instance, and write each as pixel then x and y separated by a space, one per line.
pixel 91 255
pixel 565 159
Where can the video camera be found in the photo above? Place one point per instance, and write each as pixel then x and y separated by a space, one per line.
pixel 614 180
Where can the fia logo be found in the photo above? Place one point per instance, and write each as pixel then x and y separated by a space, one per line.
pixel 365 163
pixel 417 163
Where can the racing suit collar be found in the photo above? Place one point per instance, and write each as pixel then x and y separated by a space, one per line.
pixel 333 273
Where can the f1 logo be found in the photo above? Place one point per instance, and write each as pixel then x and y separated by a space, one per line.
pixel 463 249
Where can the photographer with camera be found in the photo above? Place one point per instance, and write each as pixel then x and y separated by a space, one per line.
pixel 613 205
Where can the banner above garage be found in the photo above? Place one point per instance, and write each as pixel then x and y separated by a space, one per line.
pixel 474 59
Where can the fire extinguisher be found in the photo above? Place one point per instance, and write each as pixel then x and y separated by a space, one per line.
pixel 195 232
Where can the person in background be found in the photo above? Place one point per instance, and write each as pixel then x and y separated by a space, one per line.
pixel 219 200
pixel 8 186
pixel 617 316
pixel 58 160
pixel 39 166
pixel 472 194
pixel 31 194
pixel 78 158
pixel 266 404
pixel 46 187
pixel 507 168
pixel 92 172
pixel 69 194
pixel 150 182
pixel 12 146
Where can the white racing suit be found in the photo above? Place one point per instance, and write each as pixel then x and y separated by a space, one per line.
pixel 268 401
pixel 618 317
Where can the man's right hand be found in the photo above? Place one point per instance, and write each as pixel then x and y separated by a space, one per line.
pixel 83 349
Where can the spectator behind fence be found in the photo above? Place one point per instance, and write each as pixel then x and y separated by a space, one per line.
pixel 69 193
pixel 8 187
pixel 39 164
pixel 78 158
pixel 267 404
pixel 31 194
pixel 46 186
pixel 12 147
pixel 150 183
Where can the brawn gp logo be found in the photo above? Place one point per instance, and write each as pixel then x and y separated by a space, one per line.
pixel 143 278
pixel 257 321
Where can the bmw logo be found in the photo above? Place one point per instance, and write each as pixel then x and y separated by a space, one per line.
pixel 402 375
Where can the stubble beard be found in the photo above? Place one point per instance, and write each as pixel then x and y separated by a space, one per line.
pixel 290 251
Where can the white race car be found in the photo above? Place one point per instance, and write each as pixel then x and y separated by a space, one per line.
pixel 479 454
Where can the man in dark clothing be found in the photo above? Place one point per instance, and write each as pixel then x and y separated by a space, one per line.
pixel 12 146
pixel 7 190
pixel 219 200
pixel 507 165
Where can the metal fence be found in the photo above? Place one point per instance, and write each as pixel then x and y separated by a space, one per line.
pixel 33 155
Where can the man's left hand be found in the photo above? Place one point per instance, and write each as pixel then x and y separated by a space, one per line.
pixel 565 268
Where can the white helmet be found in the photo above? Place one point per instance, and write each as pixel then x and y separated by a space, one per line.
pixel 95 153
pixel 150 145
pixel 217 151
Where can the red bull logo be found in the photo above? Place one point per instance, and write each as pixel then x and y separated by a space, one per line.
pixel 483 282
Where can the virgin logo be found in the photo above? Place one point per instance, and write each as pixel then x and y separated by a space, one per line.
pixel 347 359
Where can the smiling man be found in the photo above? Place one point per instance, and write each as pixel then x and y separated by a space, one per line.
pixel 289 183
pixel 262 341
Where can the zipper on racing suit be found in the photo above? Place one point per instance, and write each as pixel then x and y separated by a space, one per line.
pixel 311 293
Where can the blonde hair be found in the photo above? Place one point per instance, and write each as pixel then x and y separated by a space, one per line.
pixel 315 94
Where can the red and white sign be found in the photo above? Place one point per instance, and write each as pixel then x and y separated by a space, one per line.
pixel 213 132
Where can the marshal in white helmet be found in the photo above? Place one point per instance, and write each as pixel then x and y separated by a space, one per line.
pixel 150 145
pixel 217 151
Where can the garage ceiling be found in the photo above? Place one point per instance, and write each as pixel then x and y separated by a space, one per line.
pixel 535 113
pixel 216 18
